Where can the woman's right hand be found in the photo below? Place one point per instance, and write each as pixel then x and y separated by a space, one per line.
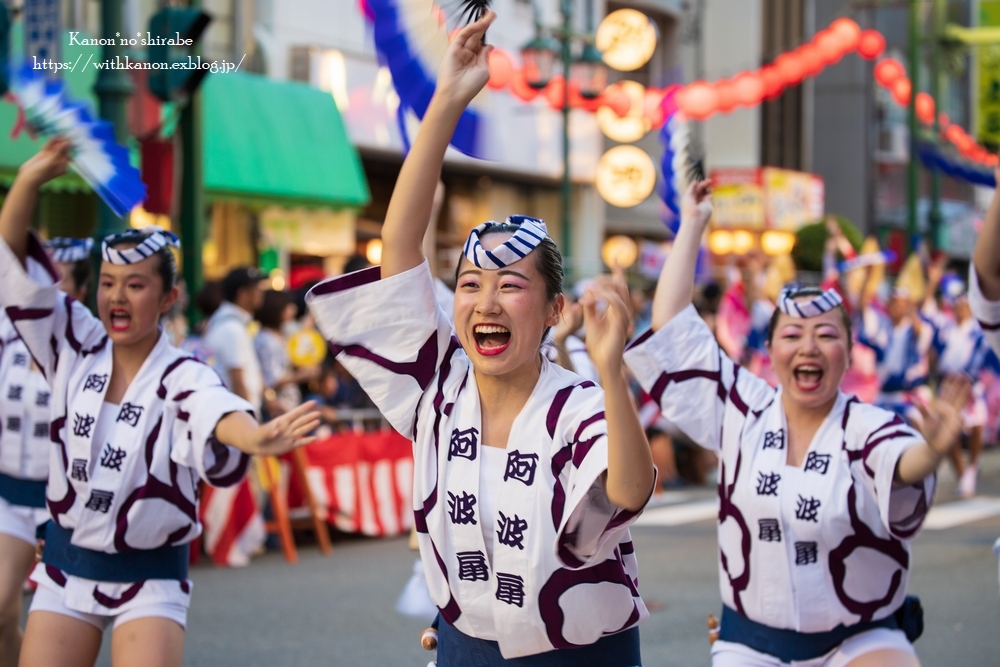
pixel 696 206
pixel 49 163
pixel 465 69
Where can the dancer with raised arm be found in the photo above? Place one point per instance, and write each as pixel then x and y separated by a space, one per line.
pixel 136 423
pixel 526 476
pixel 819 493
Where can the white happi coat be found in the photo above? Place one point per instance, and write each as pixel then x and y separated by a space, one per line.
pixel 139 489
pixel 986 312
pixel 801 548
pixel 24 409
pixel 563 572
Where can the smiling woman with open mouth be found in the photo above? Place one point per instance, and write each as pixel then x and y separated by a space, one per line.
pixel 527 476
pixel 819 493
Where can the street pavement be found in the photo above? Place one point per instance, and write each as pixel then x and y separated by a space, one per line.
pixel 339 610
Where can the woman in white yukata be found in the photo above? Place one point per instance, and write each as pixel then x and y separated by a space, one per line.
pixel 526 475
pixel 819 494
pixel 24 449
pixel 135 424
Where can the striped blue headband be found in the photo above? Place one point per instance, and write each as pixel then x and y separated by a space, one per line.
pixel 530 232
pixel 823 303
pixel 66 251
pixel 148 239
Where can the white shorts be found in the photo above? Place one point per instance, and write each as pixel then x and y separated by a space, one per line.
pixel 21 522
pixel 729 654
pixel 53 600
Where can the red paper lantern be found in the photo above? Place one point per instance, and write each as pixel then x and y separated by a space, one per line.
pixel 554 91
pixel 829 46
pixel 871 44
pixel 790 67
pixel 727 95
pixel 501 69
pixel 812 59
pixel 698 100
pixel 520 87
pixel 901 90
pixel 925 108
pixel 749 88
pixel 616 100
pixel 652 106
pixel 888 71
pixel 848 31
pixel 774 85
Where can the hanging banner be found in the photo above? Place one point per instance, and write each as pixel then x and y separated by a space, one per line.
pixel 42 31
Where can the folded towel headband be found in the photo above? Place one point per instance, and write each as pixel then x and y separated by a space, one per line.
pixel 823 303
pixel 66 250
pixel 530 233
pixel 150 239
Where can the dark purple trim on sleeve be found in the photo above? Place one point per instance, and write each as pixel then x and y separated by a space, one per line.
pixel 989 327
pixel 907 527
pixel 627 548
pixel 656 391
pixel 734 395
pixel 161 391
pixel 558 403
pixel 20 314
pixel 643 337
pixel 345 282
pixel 36 251
pixel 422 370
pixel 71 338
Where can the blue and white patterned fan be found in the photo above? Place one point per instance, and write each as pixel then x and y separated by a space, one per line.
pixel 97 157
pixel 411 38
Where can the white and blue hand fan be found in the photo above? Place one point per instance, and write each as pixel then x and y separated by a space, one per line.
pixel 99 159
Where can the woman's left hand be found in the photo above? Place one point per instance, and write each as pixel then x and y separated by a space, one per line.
pixel 286 432
pixel 607 314
pixel 943 418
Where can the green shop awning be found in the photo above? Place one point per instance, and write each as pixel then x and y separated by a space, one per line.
pixel 274 142
pixel 80 82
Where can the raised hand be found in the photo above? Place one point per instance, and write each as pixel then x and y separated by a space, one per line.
pixel 465 69
pixel 286 432
pixel 47 164
pixel 696 206
pixel 607 314
pixel 943 418
pixel 570 322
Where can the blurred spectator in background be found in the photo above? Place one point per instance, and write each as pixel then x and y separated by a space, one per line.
pixel 281 378
pixel 227 338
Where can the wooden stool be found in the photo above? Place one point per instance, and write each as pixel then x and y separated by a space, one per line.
pixel 314 521
pixel 269 472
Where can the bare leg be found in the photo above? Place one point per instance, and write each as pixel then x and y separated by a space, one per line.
pixel 975 445
pixel 54 640
pixel 151 641
pixel 16 559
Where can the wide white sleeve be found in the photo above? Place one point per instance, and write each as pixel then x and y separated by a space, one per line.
pixel 696 385
pixel 390 335
pixel 198 401
pixel 987 312
pixel 878 438
pixel 51 324
pixel 589 525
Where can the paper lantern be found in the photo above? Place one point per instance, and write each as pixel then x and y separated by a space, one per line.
pixel 901 90
pixel 848 32
pixel 501 69
pixel 749 88
pixel 726 95
pixel 888 70
pixel 773 83
pixel 812 59
pixel 373 251
pixel 698 100
pixel 790 67
pixel 953 133
pixel 871 44
pixel 625 176
pixel 519 86
pixel 619 251
pixel 743 242
pixel 720 242
pixel 925 108
pixel 633 126
pixel 554 91
pixel 774 242
pixel 626 39
pixel 829 46
pixel 652 106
